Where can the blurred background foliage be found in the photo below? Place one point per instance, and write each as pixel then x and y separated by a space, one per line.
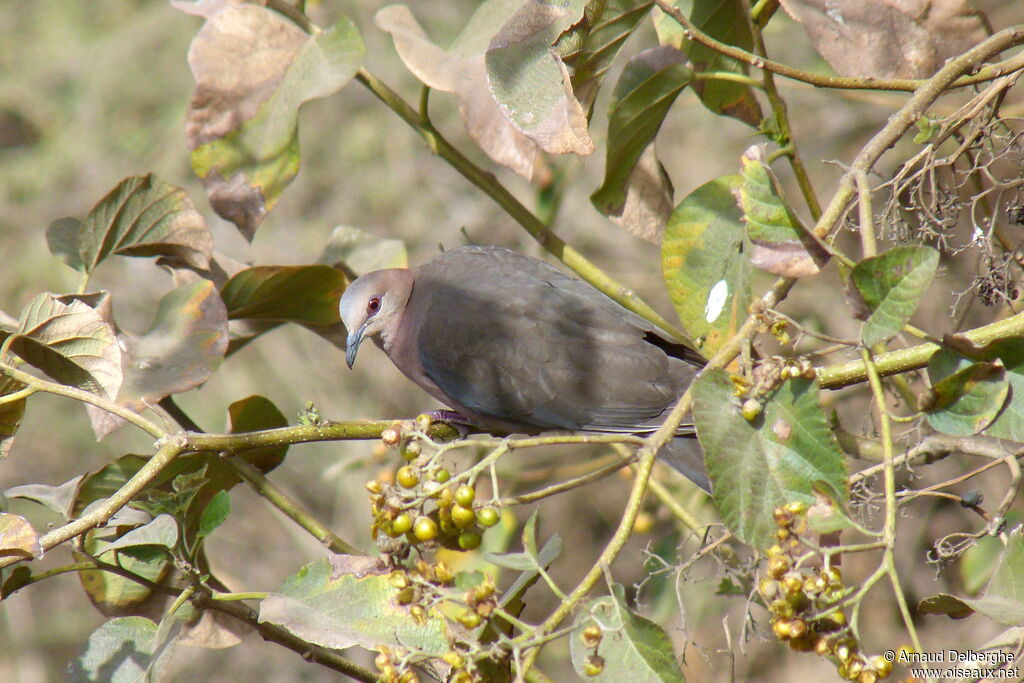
pixel 93 92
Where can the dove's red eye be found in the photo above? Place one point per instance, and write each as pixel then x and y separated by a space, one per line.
pixel 372 306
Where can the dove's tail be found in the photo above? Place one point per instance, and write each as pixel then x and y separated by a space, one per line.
pixel 686 456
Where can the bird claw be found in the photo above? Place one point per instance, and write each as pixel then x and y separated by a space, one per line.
pixel 457 420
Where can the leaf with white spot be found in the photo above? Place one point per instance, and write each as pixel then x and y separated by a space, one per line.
pixel 717 297
pixel 705 265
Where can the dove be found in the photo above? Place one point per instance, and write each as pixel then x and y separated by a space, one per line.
pixel 516 345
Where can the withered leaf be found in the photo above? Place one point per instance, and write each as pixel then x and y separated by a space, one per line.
pixel 888 38
pixel 254 69
pixel 515 97
pixel 70 342
pixel 781 243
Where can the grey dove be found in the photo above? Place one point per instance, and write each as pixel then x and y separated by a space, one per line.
pixel 516 345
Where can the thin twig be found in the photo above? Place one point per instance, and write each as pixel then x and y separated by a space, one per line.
pixel 983 74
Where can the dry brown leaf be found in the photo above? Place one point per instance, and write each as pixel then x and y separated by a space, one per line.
pixel 463 71
pixel 781 243
pixel 888 38
pixel 215 631
pixel 254 69
pixel 648 199
pixel 18 538
pixel 467 78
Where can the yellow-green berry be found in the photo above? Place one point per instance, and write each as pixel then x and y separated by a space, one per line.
pixel 751 409
pixel 487 517
pixel 463 517
pixel 778 565
pixel 400 524
pixel 470 619
pixel 469 540
pixel 407 477
pixel 591 636
pixel 464 495
pixel 425 529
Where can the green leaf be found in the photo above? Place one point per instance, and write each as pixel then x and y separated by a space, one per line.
pixel 892 285
pixel 530 559
pixel 57 498
pixel 781 243
pixel 1009 424
pixel 726 21
pixel 62 237
pixel 944 603
pixel 649 84
pixel 110 591
pixel 142 216
pixel 704 263
pixel 1003 600
pixel 965 396
pixel 70 342
pixel 120 651
pixel 184 346
pixel 214 514
pixel 13 579
pixel 776 458
pixel 979 562
pixel 591 45
pixel 255 413
pixel 361 252
pixel 254 69
pixel 530 83
pixel 927 127
pixel 513 598
pixel 634 648
pixel 303 294
pixel 183 489
pixel 162 531
pixel 328 604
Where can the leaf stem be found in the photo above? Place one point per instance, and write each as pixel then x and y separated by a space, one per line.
pixel 291 508
pixel 252 475
pixel 38 384
pixel 891 504
pixel 782 120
